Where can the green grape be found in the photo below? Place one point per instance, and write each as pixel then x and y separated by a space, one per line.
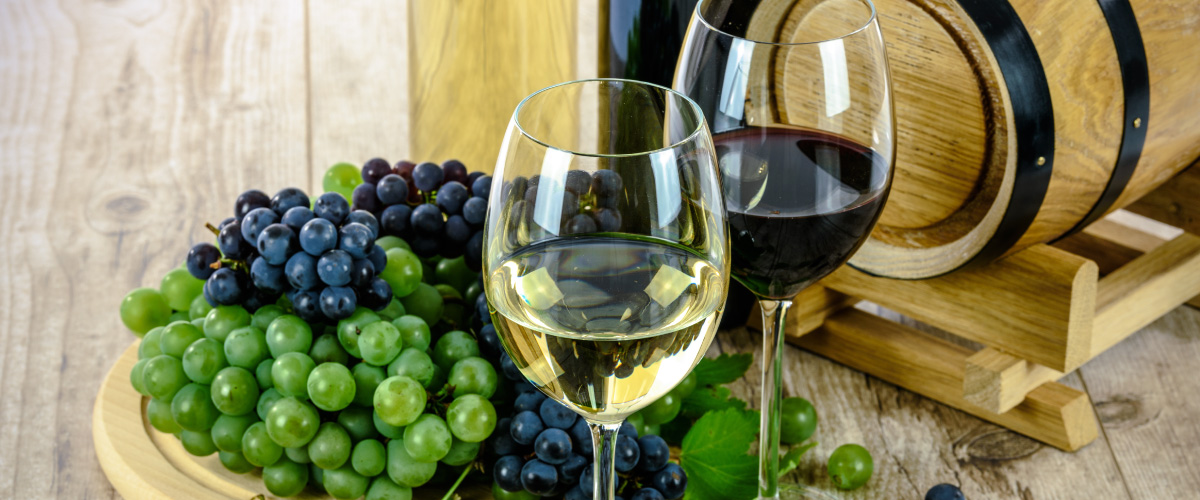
pixel 262 373
pixel 366 380
pixel 663 410
pixel 288 334
pixel 235 462
pixel 403 272
pixel 686 386
pixel 330 448
pixel 379 343
pixel 637 420
pixel 369 458
pixel 399 400
pixel 176 338
pixel 199 323
pixel 345 483
pixel 350 328
pixel 235 391
pixel 461 453
pixel 473 292
pixel 471 418
pixel 414 332
pixel 331 386
pixel 290 374
pixel 327 349
pixel 285 478
pixel 199 308
pixel 357 422
pixel 799 420
pixel 298 454
pixel 158 412
pixel 385 429
pixel 850 466
pixel 177 316
pixel 499 493
pixel 452 347
pixel 263 317
pixel 258 447
pixel 316 476
pixel 198 443
pixel 428 269
pixel 162 376
pixel 454 272
pixel 341 178
pixel 180 288
pixel 193 408
pixel 143 309
pixel 203 359
pixel 403 470
pixel 227 431
pixel 151 345
pixel 292 422
pixel 428 439
pixel 425 302
pixel 246 347
pixel 390 242
pixel 383 488
pixel 453 310
pixel 265 401
pixel 135 377
pixel 473 375
pixel 393 310
pixel 222 320
pixel 413 364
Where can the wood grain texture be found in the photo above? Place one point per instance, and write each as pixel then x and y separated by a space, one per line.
pixel 1168 202
pixel 998 382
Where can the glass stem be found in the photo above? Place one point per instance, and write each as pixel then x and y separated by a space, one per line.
pixel 604 442
pixel 773 314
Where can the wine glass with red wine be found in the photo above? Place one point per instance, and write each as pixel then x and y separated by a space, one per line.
pixel 798 98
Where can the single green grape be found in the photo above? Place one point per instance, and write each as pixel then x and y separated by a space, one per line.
pixel 357 422
pixel 235 462
pixel 298 454
pixel 403 470
pixel 136 379
pixel 385 429
pixel 350 328
pixel 379 343
pixel 330 448
pixel 799 420
pixel 258 447
pixel 246 347
pixel 663 410
pixel 285 478
pixel 263 317
pixel 452 347
pixel 850 466
pixel 369 457
pixel 178 316
pixel 199 308
pixel 454 272
pixel 222 320
pixel 345 483
pixel 198 443
pixel 461 453
pixel 265 401
pixel 143 309
pixel 235 391
pixel 180 288
pixel 176 338
pixel 331 386
pixel 383 488
pixel 262 373
pixel 414 332
pixel 366 380
pixel 288 333
pixel 399 400
pixel 292 422
pixel 162 376
pixel 637 420
pixel 203 359
pixel 686 386
pixel 151 344
pixel 414 364
pixel 393 310
pixel 474 290
pixel 290 373
pixel 454 312
pixel 341 178
pixel 158 412
pixel 327 349
pixel 425 302
pixel 193 408
pixel 390 242
pixel 473 375
pixel 316 476
pixel 403 272
pixel 227 431
pixel 427 439
pixel 471 418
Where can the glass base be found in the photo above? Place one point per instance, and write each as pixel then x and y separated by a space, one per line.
pixel 788 491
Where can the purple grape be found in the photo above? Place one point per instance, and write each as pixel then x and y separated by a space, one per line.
pixel 248 201
pixel 374 170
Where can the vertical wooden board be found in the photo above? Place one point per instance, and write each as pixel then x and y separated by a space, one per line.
pixel 1145 398
pixel 125 126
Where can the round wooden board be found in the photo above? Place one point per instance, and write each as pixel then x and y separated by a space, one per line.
pixel 143 463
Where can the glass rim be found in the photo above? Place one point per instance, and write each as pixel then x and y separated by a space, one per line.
pixel 701 124
pixel 855 31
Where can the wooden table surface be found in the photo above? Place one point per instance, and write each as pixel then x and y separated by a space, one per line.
pixel 126 124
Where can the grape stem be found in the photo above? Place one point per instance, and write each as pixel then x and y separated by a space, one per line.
pixel 450 494
pixel 212 228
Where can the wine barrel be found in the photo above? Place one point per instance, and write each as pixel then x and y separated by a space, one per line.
pixel 1020 121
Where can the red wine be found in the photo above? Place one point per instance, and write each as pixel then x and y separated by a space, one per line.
pixel 799 203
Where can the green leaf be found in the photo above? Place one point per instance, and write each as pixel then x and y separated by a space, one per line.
pixel 706 399
pixel 722 369
pixel 791 460
pixel 715 456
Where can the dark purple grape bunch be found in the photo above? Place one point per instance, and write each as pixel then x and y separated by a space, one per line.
pixel 589 202
pixel 324 258
pixel 439 210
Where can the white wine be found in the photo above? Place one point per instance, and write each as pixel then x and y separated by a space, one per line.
pixel 604 324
